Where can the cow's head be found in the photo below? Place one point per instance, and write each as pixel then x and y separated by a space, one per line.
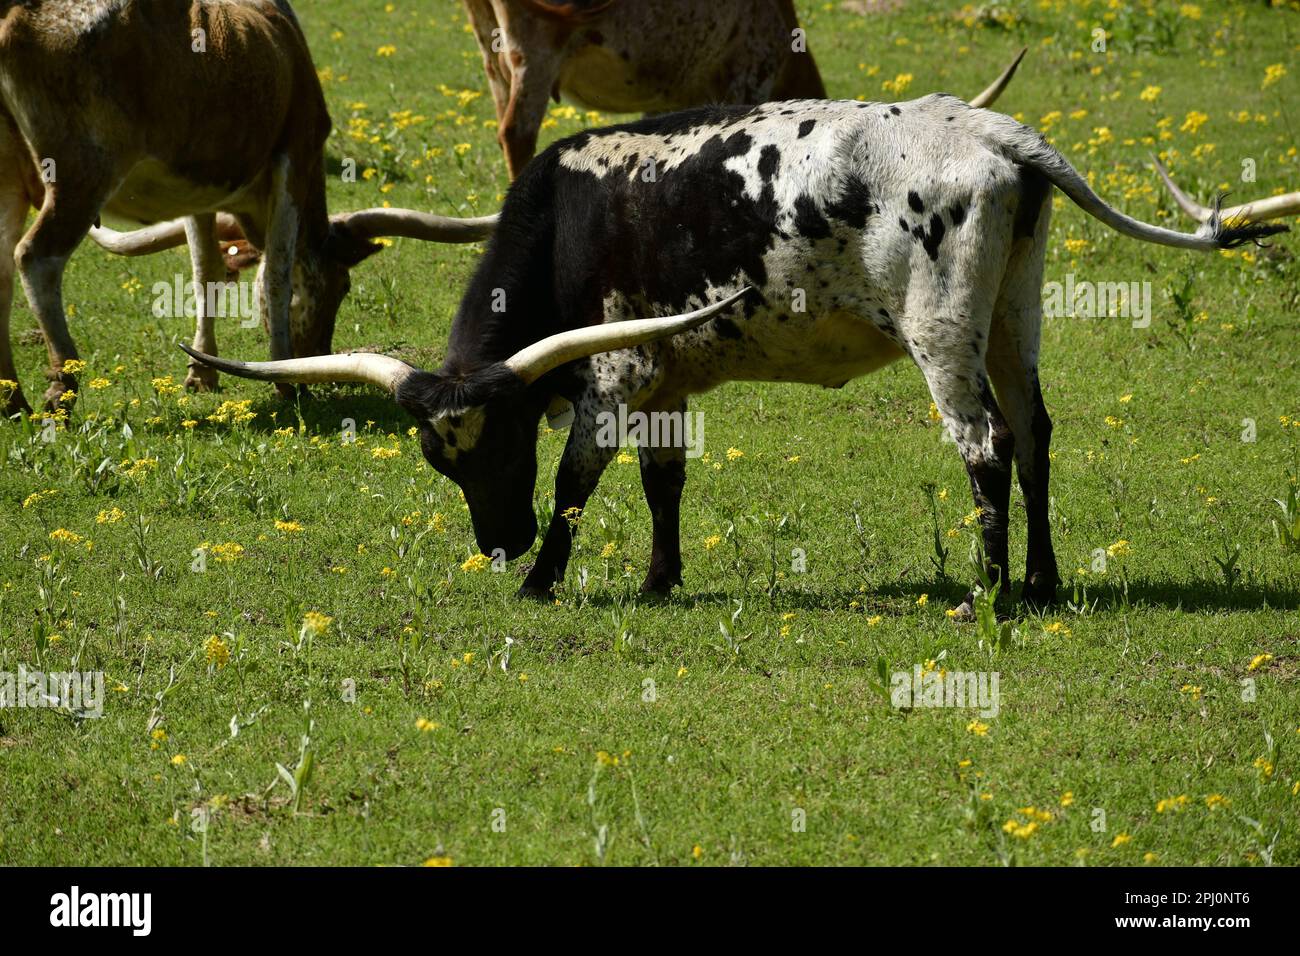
pixel 324 257
pixel 479 427
pixel 322 269
pixel 480 430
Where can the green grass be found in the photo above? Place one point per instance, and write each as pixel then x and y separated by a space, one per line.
pixel 787 713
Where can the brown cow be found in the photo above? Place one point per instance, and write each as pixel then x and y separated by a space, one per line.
pixel 123 107
pixel 629 57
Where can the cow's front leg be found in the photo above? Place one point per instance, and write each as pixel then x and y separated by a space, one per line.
pixel 66 215
pixel 496 63
pixel 663 476
pixel 13 216
pixel 275 278
pixel 209 266
pixel 534 73
pixel 583 462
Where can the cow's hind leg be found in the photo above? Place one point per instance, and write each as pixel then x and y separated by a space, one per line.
pixel 663 476
pixel 973 418
pixel 209 266
pixel 1012 363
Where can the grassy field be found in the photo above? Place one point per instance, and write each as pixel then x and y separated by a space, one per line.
pixel 175 542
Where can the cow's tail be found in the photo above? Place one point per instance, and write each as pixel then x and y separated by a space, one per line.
pixel 1026 146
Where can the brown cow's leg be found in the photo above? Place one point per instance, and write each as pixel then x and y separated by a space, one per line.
pixel 491 43
pixel 531 80
pixel 65 217
pixel 13 213
pixel 275 275
pixel 209 266
pixel 19 189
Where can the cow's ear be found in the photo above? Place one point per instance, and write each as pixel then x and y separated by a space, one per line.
pixel 423 394
pixel 239 255
pixel 347 248
pixel 429 394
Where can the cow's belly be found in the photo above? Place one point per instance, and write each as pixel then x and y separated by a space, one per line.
pixel 152 192
pixel 826 350
pixel 595 78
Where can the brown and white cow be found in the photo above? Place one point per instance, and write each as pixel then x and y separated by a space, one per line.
pixel 631 57
pixel 123 107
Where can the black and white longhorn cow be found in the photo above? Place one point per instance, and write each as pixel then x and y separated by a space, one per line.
pixel 916 229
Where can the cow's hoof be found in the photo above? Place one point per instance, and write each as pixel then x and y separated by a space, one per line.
pixel 658 587
pixel 1040 591
pixel 62 393
pixel 201 378
pixel 656 593
pixel 290 392
pixel 532 592
pixel 963 612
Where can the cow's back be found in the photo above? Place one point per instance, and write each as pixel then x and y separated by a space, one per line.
pixel 761 194
pixel 646 57
pixel 209 89
pixel 835 212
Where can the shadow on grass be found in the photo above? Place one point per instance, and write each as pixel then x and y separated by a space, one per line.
pixel 900 598
pixel 325 408
pixel 324 411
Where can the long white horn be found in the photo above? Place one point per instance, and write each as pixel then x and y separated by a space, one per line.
pixel 990 95
pixel 155 238
pixel 140 242
pixel 368 367
pixel 1274 207
pixel 373 223
pixel 536 360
